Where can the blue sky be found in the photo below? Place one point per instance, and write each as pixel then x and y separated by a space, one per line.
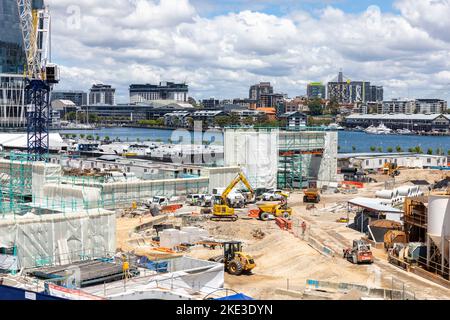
pixel 220 48
pixel 210 8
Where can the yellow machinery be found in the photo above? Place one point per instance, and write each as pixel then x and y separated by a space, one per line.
pixel 277 210
pixel 311 195
pixel 236 262
pixel 222 211
pixel 391 169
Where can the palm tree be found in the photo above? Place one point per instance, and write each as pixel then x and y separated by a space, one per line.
pixel 430 151
pixel 372 148
pixel 389 149
pixel 106 138
pixel 380 149
pixel 399 149
pixel 353 148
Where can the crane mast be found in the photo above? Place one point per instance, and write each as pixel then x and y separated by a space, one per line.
pixel 40 76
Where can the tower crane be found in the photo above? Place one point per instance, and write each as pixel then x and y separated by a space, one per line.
pixel 40 76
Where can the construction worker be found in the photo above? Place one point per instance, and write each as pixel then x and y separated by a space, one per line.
pixel 303 228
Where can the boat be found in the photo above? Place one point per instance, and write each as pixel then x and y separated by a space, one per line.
pixel 381 129
pixel 335 126
pixel 358 128
pixel 404 131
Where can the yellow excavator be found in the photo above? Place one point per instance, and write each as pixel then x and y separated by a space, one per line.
pixel 391 169
pixel 222 210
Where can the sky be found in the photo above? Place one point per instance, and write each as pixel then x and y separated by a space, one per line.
pixel 221 47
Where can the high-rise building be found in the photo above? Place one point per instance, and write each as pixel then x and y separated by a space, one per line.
pixel 347 91
pixel 12 65
pixel 316 90
pixel 79 98
pixel 376 94
pixel 143 93
pixel 270 100
pixel 257 90
pixel 102 94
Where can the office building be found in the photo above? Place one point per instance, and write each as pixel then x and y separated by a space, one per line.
pixel 102 94
pixel 210 103
pixel 144 93
pixel 79 98
pixel 376 93
pixel 316 90
pixel 257 90
pixel 429 106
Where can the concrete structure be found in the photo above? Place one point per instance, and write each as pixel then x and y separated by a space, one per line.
pixel 144 93
pixel 413 122
pixel 348 91
pixel 397 106
pixel 102 94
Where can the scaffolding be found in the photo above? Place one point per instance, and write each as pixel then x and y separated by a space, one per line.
pixel 15 188
pixel 296 151
pixel 42 188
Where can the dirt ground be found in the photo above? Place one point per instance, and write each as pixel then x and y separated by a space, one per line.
pixel 286 262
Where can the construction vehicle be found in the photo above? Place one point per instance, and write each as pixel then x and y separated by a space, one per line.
pixel 223 211
pixel 394 236
pixel 359 253
pixel 391 169
pixel 312 195
pixel 277 210
pixel 236 262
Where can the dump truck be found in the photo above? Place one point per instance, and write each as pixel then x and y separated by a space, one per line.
pixel 236 262
pixel 359 253
pixel 277 210
pixel 312 195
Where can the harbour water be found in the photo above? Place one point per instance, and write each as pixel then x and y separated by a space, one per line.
pixel 347 139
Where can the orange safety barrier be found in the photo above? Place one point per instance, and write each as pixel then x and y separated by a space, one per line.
pixel 354 183
pixel 283 224
pixel 171 208
pixel 254 213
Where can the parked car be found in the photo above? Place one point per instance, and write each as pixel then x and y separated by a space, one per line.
pixel 193 199
pixel 274 195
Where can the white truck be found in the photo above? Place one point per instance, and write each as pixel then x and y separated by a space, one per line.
pixel 235 199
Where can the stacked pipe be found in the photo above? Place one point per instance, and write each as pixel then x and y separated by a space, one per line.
pixel 398 195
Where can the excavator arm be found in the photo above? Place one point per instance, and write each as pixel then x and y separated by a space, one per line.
pixel 239 178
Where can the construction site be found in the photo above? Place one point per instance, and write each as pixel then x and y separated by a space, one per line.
pixel 277 221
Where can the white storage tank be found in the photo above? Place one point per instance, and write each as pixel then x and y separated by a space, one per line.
pixel 439 220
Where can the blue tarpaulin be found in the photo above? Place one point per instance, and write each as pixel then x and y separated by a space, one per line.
pixel 158 266
pixel 239 296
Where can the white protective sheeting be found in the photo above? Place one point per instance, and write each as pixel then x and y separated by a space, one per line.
pixel 220 177
pixel 43 173
pixel 328 166
pixel 256 152
pixel 19 140
pixel 58 238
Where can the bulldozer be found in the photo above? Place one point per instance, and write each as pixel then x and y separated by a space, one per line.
pixel 222 210
pixel 311 195
pixel 359 253
pixel 391 169
pixel 235 261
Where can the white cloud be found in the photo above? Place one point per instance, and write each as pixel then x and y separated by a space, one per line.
pixel 127 41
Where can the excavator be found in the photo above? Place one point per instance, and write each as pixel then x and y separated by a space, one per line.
pixel 391 169
pixel 222 210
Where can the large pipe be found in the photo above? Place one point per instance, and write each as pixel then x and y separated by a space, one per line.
pixel 384 194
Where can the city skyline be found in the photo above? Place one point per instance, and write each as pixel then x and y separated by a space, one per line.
pixel 221 48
